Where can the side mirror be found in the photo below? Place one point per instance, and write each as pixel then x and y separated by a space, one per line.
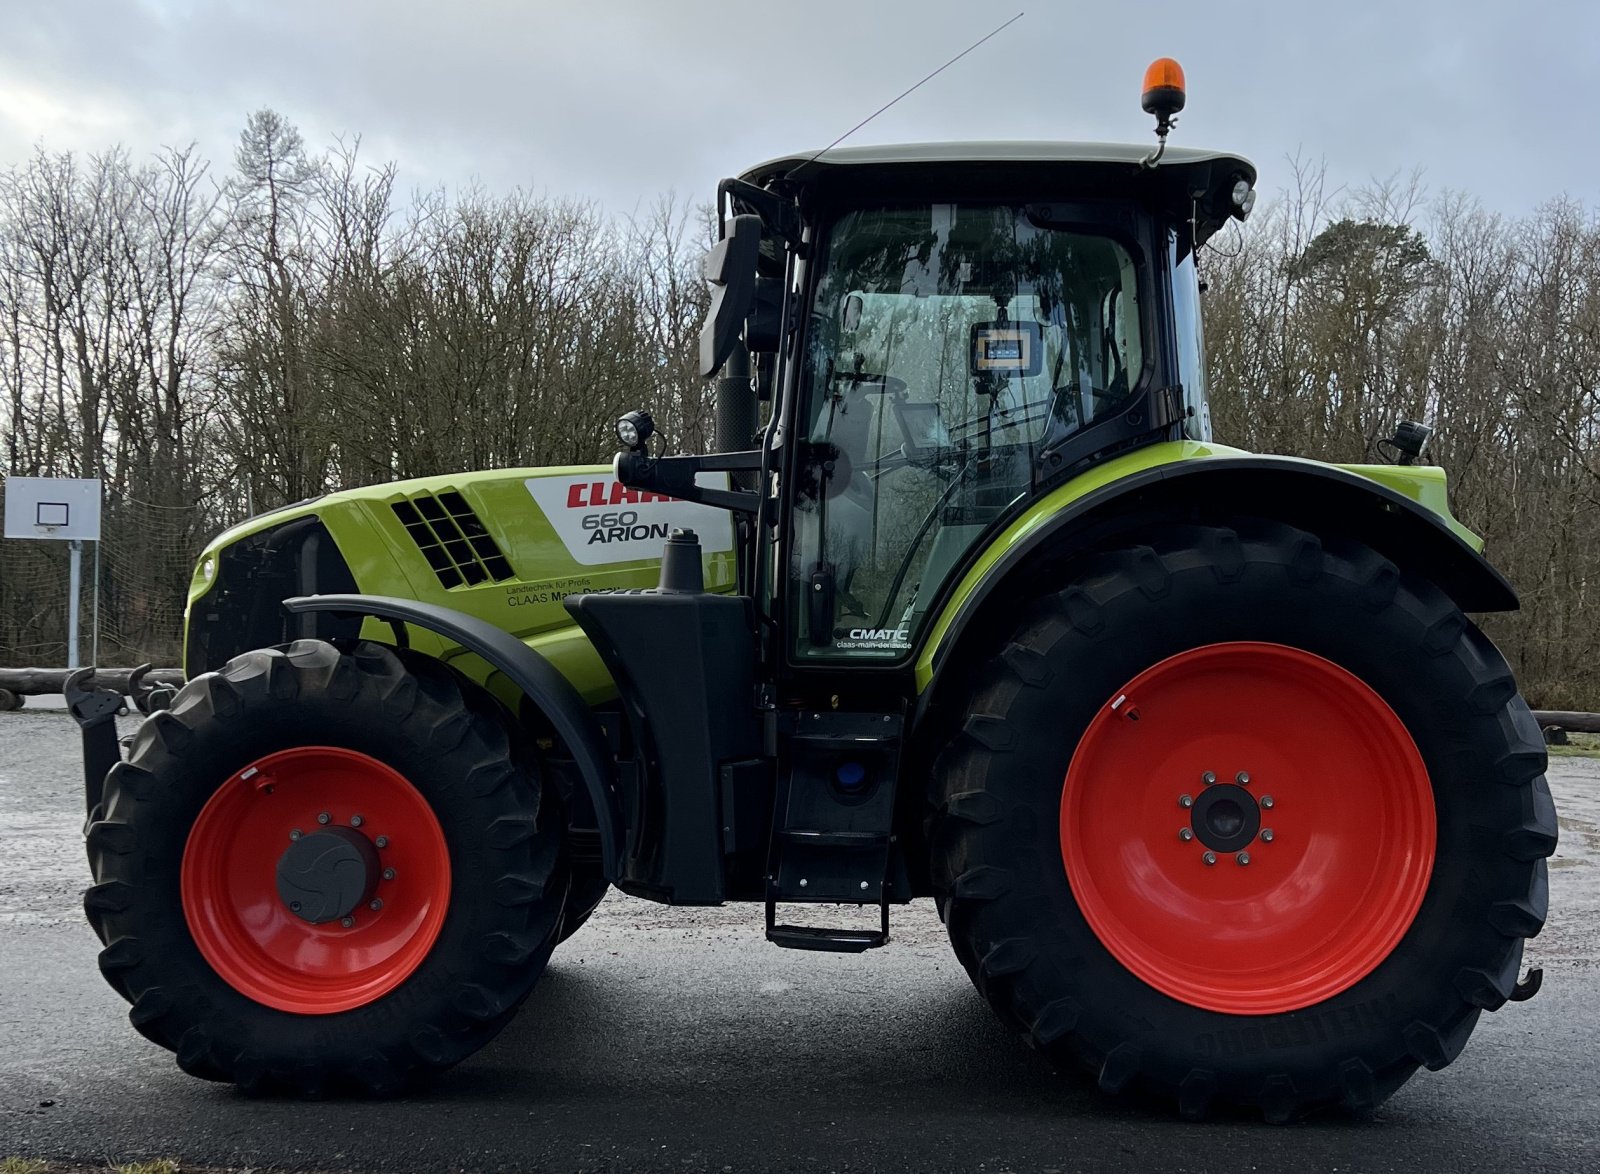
pixel 853 306
pixel 730 267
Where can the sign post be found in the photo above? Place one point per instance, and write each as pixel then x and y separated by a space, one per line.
pixel 65 509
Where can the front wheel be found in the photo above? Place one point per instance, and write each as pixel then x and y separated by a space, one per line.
pixel 589 888
pixel 325 871
pixel 1243 820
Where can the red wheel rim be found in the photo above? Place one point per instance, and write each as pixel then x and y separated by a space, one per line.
pixel 1334 777
pixel 246 931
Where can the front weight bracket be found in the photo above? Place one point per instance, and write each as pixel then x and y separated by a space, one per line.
pixel 95 711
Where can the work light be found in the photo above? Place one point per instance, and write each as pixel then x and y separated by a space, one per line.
pixel 634 429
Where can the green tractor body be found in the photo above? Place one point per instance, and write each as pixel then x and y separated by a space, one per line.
pixel 509 545
pixel 1218 791
pixel 506 546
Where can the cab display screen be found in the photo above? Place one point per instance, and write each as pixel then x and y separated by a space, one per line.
pixel 1006 348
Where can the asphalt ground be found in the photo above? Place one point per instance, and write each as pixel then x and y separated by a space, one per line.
pixel 679 1040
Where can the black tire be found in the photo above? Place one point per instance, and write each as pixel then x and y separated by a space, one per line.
pixel 158 697
pixel 501 825
pixel 10 700
pixel 996 850
pixel 588 889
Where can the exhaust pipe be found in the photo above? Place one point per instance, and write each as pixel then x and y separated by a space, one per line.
pixel 738 415
pixel 737 419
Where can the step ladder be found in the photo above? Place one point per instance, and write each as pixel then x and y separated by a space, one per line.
pixel 833 842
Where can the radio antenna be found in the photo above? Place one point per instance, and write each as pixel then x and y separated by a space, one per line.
pixel 994 32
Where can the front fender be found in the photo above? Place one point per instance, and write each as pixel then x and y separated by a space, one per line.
pixel 1404 516
pixel 555 697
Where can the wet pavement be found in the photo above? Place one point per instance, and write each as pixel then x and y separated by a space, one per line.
pixel 680 1040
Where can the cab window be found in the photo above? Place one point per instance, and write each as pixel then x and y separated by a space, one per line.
pixel 947 341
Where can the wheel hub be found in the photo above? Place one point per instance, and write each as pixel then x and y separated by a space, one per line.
pixel 1225 817
pixel 327 875
pixel 291 901
pixel 1251 919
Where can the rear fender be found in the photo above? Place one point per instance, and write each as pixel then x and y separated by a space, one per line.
pixel 546 689
pixel 1404 518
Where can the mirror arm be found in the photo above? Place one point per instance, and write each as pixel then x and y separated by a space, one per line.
pixel 778 215
pixel 675 477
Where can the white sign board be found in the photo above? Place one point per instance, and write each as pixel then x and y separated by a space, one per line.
pixel 53 507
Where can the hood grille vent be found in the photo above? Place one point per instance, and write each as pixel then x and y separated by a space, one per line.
pixel 452 539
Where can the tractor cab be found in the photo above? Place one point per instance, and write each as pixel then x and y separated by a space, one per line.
pixel 945 331
pixel 974 323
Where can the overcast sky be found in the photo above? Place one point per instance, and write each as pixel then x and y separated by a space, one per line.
pixel 620 100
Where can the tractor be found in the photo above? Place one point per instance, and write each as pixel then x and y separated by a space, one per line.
pixel 1219 793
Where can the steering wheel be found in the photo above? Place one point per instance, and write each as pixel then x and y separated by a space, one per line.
pixel 944 466
pixel 876 384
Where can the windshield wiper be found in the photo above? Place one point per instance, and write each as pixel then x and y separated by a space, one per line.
pixel 1029 414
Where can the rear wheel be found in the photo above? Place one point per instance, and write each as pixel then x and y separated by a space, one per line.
pixel 324 871
pixel 1244 821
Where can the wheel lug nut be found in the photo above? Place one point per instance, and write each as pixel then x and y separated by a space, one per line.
pixel 1209 777
pixel 296 834
pixel 1185 800
pixel 1209 858
pixel 356 821
pixel 1185 835
pixel 382 841
pixel 1243 858
pixel 1242 778
pixel 1266 835
pixel 347 922
pixel 323 817
pixel 1266 800
pixel 388 874
pixel 375 906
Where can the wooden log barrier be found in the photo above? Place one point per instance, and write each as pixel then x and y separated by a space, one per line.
pixel 1572 721
pixel 31 682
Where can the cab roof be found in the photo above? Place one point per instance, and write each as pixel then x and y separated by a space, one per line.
pixel 1019 151
pixel 1190 184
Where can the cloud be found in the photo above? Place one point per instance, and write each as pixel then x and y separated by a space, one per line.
pixel 619 101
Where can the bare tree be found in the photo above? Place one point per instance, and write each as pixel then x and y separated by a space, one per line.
pixel 216 347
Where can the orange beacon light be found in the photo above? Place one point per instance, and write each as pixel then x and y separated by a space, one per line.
pixel 1163 93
